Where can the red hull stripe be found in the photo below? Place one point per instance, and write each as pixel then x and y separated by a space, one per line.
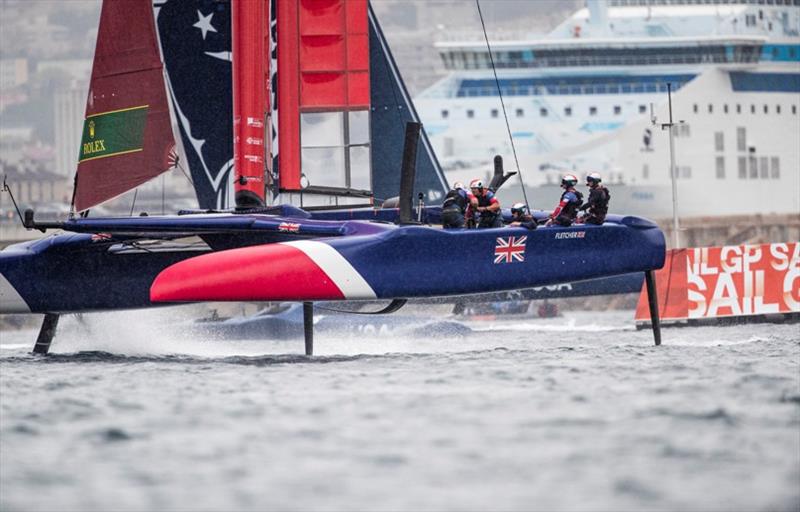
pixel 302 270
pixel 271 272
pixel 333 264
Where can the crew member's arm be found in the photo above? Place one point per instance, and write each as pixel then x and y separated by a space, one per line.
pixel 494 204
pixel 568 198
pixel 560 207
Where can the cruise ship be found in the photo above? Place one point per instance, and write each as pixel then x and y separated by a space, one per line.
pixel 591 96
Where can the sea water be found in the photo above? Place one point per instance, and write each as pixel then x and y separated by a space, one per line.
pixel 579 412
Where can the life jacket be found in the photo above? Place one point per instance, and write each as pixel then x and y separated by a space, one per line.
pixel 485 199
pixel 598 201
pixel 455 198
pixel 570 210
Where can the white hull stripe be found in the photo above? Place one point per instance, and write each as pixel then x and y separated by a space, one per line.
pixel 10 300
pixel 347 278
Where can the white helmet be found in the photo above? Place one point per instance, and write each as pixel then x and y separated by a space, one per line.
pixel 569 180
pixel 518 208
pixel 476 183
pixel 458 186
pixel 594 177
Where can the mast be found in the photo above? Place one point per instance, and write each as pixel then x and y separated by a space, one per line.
pixel 250 48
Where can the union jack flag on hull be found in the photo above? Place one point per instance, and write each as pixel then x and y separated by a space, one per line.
pixel 510 249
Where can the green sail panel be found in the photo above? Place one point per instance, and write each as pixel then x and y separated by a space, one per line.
pixel 118 132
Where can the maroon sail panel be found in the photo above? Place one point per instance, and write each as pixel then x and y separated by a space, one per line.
pixel 127 135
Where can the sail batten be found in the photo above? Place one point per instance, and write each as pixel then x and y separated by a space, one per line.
pixel 127 135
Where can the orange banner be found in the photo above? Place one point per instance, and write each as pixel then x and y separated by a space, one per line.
pixel 714 282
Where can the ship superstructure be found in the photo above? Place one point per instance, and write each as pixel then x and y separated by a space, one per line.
pixel 579 100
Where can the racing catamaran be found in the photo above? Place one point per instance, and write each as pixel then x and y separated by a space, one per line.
pixel 328 132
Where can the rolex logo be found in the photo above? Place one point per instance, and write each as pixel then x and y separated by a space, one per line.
pixel 91 129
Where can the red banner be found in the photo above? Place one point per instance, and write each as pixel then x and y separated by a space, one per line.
pixel 731 281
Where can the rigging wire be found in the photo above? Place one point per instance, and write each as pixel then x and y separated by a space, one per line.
pixel 133 204
pixel 183 170
pixel 502 103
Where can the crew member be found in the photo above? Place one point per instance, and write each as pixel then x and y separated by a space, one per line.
pixel 567 209
pixel 485 205
pixel 521 217
pixel 597 204
pixel 455 206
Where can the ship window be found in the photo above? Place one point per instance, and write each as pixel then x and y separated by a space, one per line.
pixel 738 109
pixel 642 109
pixel 719 141
pixel 742 168
pixel 696 108
pixel 720 167
pixel 776 170
pixel 592 111
pixel 470 113
pixel 753 164
pixel 683 130
pixel 766 109
pixel 763 166
pixel 445 113
pixel 568 111
pixel 520 112
pixel 741 138
pixel 494 112
pixel 710 108
pixel 752 109
pixel 777 109
pixel 725 108
pixel 794 109
pixel 617 110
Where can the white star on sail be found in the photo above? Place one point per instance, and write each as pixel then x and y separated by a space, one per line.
pixel 204 24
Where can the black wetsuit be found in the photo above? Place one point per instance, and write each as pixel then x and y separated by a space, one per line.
pixel 525 221
pixel 597 205
pixel 453 209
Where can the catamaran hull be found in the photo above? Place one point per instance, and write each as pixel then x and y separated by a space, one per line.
pixel 413 262
pixel 72 273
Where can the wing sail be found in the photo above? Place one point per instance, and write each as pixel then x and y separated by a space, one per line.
pixel 127 137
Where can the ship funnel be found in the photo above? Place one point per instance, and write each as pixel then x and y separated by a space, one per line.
pixel 598 16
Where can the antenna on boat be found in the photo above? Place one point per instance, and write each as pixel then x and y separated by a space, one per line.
pixel 503 105
pixel 672 170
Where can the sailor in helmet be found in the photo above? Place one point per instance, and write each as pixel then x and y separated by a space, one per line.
pixel 567 209
pixel 485 205
pixel 597 204
pixel 455 206
pixel 521 217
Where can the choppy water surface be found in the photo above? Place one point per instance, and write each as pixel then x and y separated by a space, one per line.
pixel 573 413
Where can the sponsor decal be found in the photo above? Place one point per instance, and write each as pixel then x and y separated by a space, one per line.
pixel 254 122
pixel 113 133
pixel 510 249
pixel 743 280
pixel 570 234
pixel 289 227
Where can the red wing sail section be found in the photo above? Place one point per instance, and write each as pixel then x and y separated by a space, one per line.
pixel 324 94
pixel 250 73
pixel 127 137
